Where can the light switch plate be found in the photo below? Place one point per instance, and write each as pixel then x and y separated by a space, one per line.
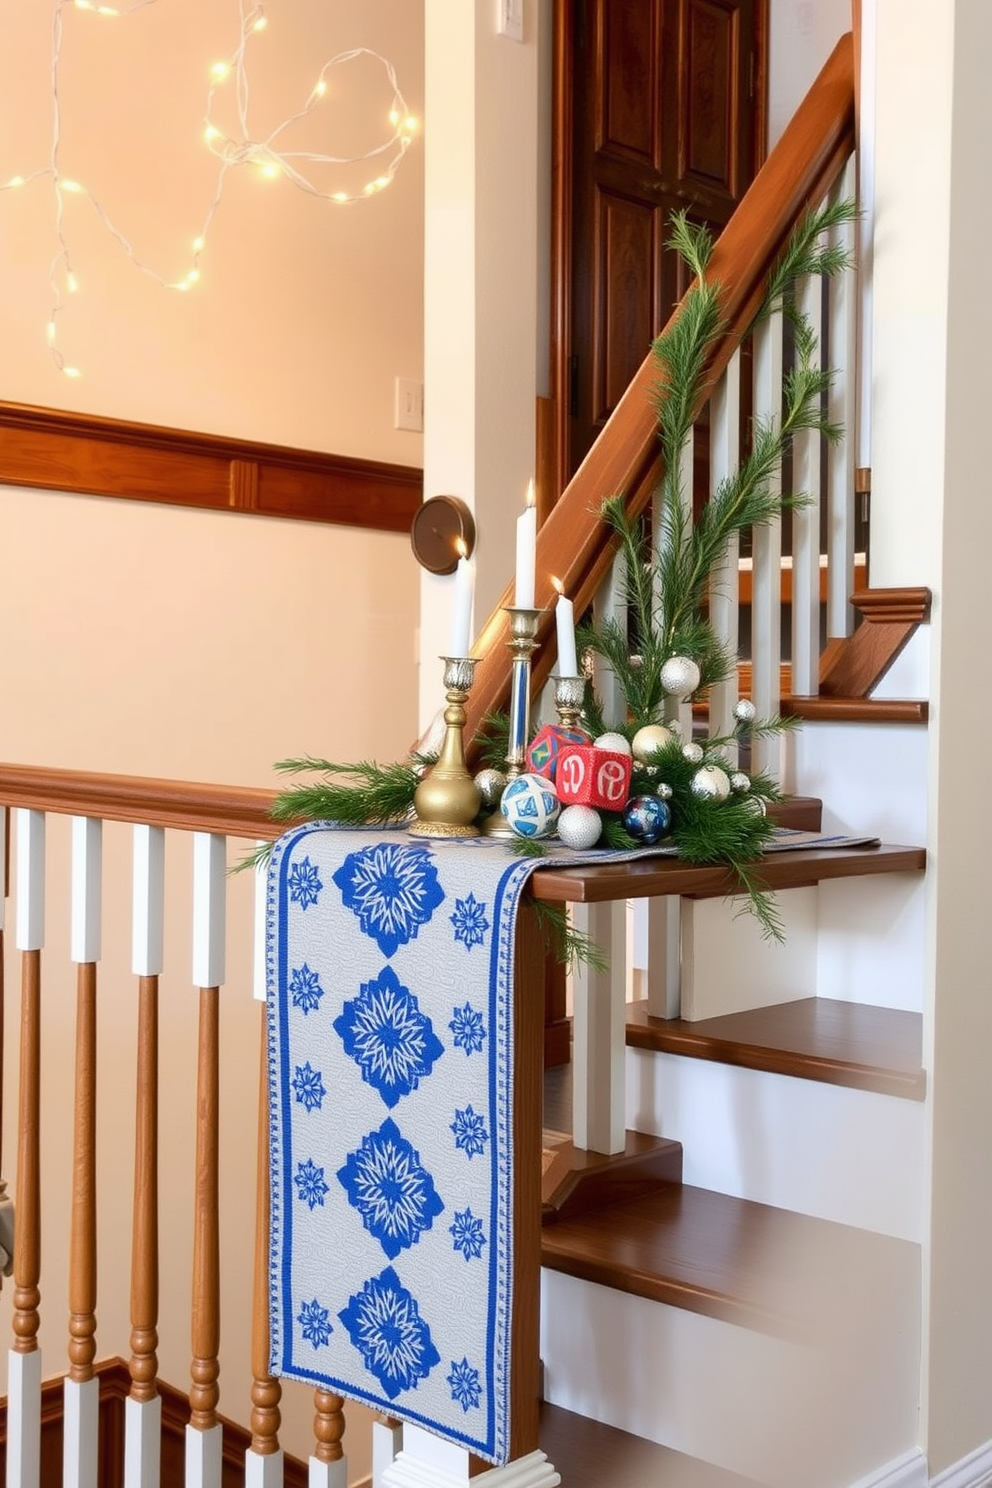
pixel 409 404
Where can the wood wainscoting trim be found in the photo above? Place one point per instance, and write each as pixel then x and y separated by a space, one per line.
pixel 51 450
pixel 115 1382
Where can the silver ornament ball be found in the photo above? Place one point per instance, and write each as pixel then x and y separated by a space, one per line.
pixel 649 740
pixel 740 782
pixel 680 676
pixel 745 711
pixel 664 791
pixel 492 784
pixel 711 783
pixel 693 753
pixel 616 742
pixel 579 827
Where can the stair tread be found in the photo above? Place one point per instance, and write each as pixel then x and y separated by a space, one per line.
pixel 813 1038
pixel 589 1454
pixel 653 876
pixel 732 1259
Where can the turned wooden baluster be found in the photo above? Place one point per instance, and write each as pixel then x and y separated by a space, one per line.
pixel 81 1389
pixel 264 1458
pixel 204 1436
pixel 143 1408
pixel 328 1464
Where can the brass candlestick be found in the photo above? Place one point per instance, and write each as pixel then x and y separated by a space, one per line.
pixel 569 696
pixel 522 644
pixel 447 800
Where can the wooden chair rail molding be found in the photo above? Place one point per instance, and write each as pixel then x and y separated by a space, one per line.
pixel 571 545
pixel 51 450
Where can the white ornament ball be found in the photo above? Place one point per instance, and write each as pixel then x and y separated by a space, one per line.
pixel 649 740
pixel 616 742
pixel 693 753
pixel 531 805
pixel 745 711
pixel 664 791
pixel 711 783
pixel 740 782
pixel 579 827
pixel 680 676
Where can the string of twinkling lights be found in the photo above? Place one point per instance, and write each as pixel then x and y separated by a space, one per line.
pixel 230 151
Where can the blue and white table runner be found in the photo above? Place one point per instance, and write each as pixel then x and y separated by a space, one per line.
pixel 390 1023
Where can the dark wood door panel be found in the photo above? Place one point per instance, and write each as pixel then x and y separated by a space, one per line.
pixel 711 77
pixel 629 233
pixel 628 56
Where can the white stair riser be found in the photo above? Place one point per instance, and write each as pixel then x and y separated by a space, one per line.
pixel 852 1156
pixel 754 1404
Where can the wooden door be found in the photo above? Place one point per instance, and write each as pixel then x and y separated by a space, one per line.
pixel 659 105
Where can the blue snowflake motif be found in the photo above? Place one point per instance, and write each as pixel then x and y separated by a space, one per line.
pixel 309 1179
pixel 392 1191
pixel 392 889
pixel 304 884
pixel 305 986
pixel 470 1131
pixel 467 1231
pixel 469 920
pixel 309 1086
pixel 389 1038
pixel 465 1386
pixel 384 1324
pixel 316 1324
pixel 466 1025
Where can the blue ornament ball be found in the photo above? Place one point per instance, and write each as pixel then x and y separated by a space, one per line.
pixel 531 805
pixel 647 819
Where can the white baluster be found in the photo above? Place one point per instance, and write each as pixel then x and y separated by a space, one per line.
pixel 806 527
pixel 148 917
pixel 387 1443
pixel 30 916
pixel 87 889
pixel 599 1034
pixel 209 908
pixel 3 859
pixel 842 405
pixel 725 437
pixel 766 588
pixel 260 943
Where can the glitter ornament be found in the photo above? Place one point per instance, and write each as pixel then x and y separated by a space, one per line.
pixel 647 819
pixel 649 740
pixel 579 827
pixel 530 805
pixel 693 753
pixel 674 726
pixel 492 784
pixel 680 676
pixel 740 782
pixel 664 792
pixel 711 783
pixel 745 711
pixel 615 742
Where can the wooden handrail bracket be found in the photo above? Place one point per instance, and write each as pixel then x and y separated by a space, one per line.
pixel 853 666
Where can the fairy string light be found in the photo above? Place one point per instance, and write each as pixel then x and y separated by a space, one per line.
pixel 242 148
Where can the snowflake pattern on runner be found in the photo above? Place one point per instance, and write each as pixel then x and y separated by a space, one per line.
pixel 392 889
pixel 305 988
pixel 390 1039
pixel 308 1084
pixel 309 1180
pixel 468 1236
pixel 391 1189
pixel 304 884
pixel 468 1029
pixel 465 1386
pixel 315 1323
pixel 385 1326
pixel 469 920
pixel 470 1132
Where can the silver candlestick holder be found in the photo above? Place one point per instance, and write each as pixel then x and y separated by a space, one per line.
pixel 570 694
pixel 447 800
pixel 522 644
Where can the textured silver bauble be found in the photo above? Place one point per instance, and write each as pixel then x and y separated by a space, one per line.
pixel 616 742
pixel 649 740
pixel 745 711
pixel 664 791
pixel 674 726
pixel 680 676
pixel 579 827
pixel 492 784
pixel 740 782
pixel 711 783
pixel 693 752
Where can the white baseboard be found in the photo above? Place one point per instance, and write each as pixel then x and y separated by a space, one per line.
pixel 973 1471
pixel 907 1471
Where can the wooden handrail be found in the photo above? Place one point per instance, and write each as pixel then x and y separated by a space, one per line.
pixel 572 544
pixel 234 811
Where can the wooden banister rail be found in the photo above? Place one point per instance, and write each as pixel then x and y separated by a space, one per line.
pixel 230 810
pixel 572 544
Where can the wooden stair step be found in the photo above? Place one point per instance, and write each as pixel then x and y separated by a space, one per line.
pixel 813 1038
pixel 733 1259
pixel 589 1454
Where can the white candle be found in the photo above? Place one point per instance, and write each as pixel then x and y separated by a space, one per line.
pixel 523 594
pixel 568 665
pixel 461 619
